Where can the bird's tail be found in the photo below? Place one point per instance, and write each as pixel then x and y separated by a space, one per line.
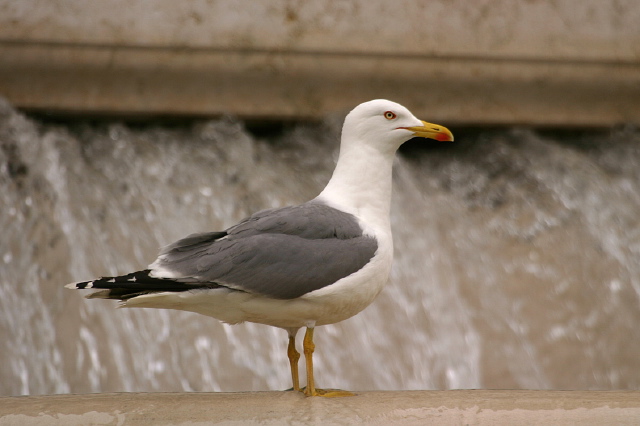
pixel 127 286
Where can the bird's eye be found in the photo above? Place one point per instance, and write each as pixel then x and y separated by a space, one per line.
pixel 389 115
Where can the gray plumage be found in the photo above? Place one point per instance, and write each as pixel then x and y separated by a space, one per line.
pixel 279 253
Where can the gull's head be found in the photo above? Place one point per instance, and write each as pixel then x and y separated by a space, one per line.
pixel 387 125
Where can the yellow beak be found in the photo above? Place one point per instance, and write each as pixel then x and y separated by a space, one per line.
pixel 431 131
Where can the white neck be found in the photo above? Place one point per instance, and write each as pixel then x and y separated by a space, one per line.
pixel 361 184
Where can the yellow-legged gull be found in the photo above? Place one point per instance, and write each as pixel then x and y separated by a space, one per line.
pixel 308 265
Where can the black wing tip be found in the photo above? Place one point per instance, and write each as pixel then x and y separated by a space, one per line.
pixel 135 284
pixel 80 285
pixel 111 282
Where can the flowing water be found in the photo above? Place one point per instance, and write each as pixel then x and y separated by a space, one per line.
pixel 517 258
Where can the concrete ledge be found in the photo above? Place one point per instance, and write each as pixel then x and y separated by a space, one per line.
pixel 504 63
pixel 116 79
pixel 459 407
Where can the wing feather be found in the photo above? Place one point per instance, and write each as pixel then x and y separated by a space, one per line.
pixel 281 253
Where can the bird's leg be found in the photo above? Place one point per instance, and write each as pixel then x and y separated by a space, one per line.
pixel 308 347
pixel 311 390
pixel 294 356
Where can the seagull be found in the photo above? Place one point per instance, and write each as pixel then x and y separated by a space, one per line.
pixel 308 265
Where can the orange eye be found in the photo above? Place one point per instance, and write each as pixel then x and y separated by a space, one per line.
pixel 389 115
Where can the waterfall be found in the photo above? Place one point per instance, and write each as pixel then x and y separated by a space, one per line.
pixel 517 258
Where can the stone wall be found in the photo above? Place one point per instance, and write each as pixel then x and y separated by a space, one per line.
pixel 571 63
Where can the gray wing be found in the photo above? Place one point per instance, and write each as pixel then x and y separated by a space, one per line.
pixel 281 253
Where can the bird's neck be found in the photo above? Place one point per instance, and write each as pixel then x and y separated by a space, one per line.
pixel 361 184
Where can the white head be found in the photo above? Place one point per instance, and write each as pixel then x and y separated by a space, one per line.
pixel 387 125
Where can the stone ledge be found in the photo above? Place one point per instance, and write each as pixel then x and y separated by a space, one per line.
pixel 457 407
pixel 507 63
pixel 119 80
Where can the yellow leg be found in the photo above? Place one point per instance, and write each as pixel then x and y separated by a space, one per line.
pixel 309 347
pixel 294 356
pixel 311 390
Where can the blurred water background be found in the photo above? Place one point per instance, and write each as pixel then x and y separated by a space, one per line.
pixel 517 257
